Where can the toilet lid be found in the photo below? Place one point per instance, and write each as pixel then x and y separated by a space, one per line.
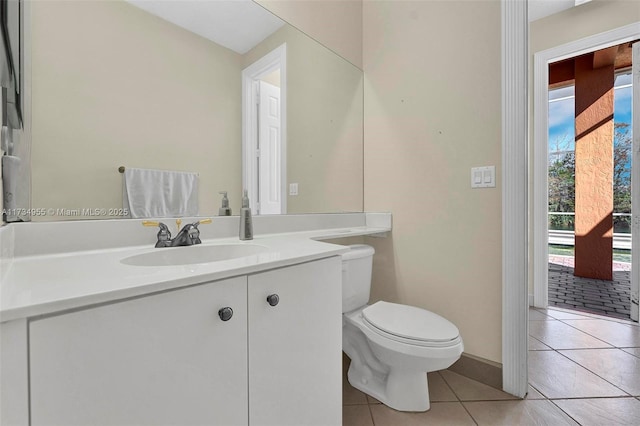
pixel 410 322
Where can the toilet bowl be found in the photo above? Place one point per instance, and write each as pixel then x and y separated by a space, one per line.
pixel 391 346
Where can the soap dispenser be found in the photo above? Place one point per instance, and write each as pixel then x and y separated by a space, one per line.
pixel 224 209
pixel 246 224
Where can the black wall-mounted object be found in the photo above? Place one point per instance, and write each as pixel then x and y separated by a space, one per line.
pixel 11 61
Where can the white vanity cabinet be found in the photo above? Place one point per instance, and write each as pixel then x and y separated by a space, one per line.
pixel 169 358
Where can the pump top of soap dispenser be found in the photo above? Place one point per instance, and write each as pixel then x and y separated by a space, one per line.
pixel 245 200
pixel 224 209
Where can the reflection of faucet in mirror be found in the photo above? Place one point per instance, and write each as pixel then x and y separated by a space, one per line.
pixel 189 235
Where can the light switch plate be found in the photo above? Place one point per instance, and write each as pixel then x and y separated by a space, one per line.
pixel 483 177
pixel 293 189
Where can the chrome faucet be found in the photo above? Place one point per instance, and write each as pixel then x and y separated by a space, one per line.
pixel 189 234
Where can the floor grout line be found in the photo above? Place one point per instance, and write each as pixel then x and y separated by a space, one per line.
pixel 535 338
pixel 449 386
pixel 592 372
pixel 598 319
pixel 584 315
pixel 588 334
pixel 585 332
pixel 632 347
pixel 373 422
pixel 569 415
pixel 539 391
pixel 468 412
pixel 594 397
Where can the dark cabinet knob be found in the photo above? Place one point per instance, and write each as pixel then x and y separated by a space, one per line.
pixel 225 314
pixel 273 299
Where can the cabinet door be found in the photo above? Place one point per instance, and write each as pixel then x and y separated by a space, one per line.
pixel 295 346
pixel 157 360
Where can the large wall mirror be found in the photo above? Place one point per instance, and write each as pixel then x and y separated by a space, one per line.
pixel 115 83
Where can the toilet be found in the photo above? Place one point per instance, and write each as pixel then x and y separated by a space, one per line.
pixel 391 346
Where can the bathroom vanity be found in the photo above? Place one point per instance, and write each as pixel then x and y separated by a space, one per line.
pixel 174 352
pixel 255 339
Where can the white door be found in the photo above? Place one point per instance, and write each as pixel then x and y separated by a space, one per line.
pixel 269 136
pixel 157 360
pixel 295 345
pixel 635 188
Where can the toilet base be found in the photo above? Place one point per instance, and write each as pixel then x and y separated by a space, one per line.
pixel 393 372
pixel 400 389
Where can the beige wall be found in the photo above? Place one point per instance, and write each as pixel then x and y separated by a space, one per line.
pixel 335 23
pixel 324 124
pixel 570 25
pixel 432 111
pixel 114 85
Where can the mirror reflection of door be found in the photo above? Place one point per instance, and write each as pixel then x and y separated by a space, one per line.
pixel 269 146
pixel 264 141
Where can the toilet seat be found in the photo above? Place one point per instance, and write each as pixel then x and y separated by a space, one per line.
pixel 410 325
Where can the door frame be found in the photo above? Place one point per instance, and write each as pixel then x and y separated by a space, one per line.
pixel 273 60
pixel 515 119
pixel 635 186
pixel 542 60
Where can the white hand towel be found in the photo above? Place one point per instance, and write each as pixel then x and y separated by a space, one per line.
pixel 159 193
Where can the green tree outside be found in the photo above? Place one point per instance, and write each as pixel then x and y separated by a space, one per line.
pixel 562 165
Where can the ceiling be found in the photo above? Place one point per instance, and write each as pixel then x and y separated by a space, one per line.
pixel 542 8
pixel 238 25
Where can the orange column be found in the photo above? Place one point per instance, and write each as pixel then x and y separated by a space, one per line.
pixel 594 168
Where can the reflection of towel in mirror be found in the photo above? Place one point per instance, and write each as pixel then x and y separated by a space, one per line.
pixel 159 193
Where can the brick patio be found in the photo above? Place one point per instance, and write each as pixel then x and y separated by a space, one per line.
pixel 610 298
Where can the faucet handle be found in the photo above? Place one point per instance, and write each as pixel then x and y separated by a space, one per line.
pixel 164 235
pixel 193 231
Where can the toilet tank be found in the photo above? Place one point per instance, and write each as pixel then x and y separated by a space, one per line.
pixel 356 276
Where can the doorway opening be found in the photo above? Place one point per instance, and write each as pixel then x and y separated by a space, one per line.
pixel 264 141
pixel 583 149
pixel 600 284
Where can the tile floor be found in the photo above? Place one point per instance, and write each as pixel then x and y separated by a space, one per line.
pixel 583 370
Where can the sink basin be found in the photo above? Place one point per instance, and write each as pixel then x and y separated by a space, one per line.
pixel 172 256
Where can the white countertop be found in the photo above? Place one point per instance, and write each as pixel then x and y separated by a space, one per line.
pixel 49 283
